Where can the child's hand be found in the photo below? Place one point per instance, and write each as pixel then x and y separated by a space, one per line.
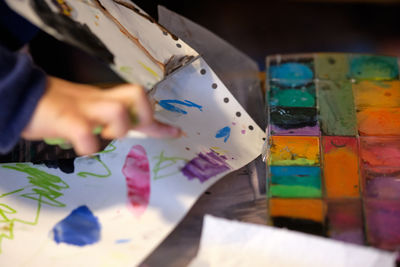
pixel 71 111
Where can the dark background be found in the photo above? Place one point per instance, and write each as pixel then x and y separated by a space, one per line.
pixel 258 29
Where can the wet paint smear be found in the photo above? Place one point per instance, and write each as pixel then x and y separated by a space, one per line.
pixel 332 66
pixel 291 74
pixel 79 228
pixel 383 188
pixel 293 121
pixel 374 67
pixel 301 225
pixel 294 151
pixel 137 174
pixel 205 166
pixel 345 220
pixel 380 154
pixel 73 32
pixel 340 165
pixel 305 215
pixel 292 97
pixel 168 105
pixel 377 94
pixel 336 108
pixel 383 222
pixel 295 182
pixel 379 121
pixel 224 133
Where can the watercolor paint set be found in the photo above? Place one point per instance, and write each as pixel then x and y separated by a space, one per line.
pixel 333 156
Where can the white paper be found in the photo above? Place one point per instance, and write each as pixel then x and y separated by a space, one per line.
pixel 231 243
pixel 129 235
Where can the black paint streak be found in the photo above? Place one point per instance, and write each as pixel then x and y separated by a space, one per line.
pixel 292 118
pixel 301 225
pixel 73 32
pixel 337 145
pixel 65 165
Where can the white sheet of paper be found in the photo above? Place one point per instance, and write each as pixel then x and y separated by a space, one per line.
pixel 192 98
pixel 231 243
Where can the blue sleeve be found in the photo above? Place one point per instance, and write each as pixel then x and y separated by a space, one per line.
pixel 21 86
pixel 14 29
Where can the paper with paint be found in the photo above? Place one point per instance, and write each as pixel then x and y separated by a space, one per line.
pixel 232 243
pixel 117 32
pixel 116 207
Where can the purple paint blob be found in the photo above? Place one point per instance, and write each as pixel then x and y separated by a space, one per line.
pixel 383 223
pixel 205 166
pixel 243 131
pixel 384 188
pixel 303 131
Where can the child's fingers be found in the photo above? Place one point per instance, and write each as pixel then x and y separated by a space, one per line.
pixel 135 99
pixel 159 130
pixel 79 132
pixel 112 115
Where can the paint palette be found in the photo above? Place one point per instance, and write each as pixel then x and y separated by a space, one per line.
pixel 334 146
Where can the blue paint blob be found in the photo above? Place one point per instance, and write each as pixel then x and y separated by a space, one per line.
pixel 291 74
pixel 224 133
pixel 122 241
pixel 168 105
pixel 79 228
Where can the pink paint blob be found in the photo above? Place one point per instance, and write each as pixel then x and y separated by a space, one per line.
pixel 233 123
pixel 136 170
pixel 243 131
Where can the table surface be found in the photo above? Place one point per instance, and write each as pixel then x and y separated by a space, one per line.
pixel 233 197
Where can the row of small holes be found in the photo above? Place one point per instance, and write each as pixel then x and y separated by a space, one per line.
pixel 226 99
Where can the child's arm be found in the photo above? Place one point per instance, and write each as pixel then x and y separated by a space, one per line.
pixel 71 111
pixel 39 106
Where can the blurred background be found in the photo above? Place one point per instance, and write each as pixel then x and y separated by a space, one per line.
pixel 260 29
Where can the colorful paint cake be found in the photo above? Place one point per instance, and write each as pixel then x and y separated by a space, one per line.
pixel 333 154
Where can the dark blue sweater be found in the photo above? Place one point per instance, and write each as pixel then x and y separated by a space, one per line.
pixel 21 86
pixel 21 83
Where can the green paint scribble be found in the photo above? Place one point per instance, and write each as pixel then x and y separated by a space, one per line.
pixel 12 192
pixel 45 186
pixel 86 174
pixel 45 189
pixel 164 163
pixel 5 211
pixel 110 148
